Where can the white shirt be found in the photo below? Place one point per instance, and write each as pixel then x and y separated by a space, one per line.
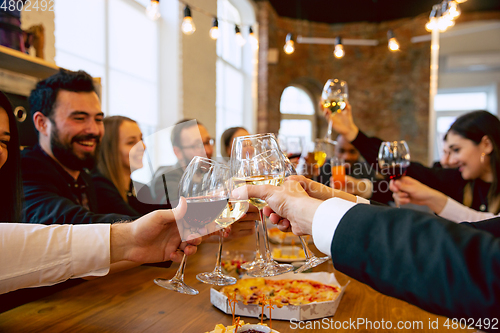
pixel 327 218
pixel 35 255
pixel 456 212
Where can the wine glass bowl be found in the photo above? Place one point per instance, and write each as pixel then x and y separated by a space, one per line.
pixel 334 100
pixel 393 159
pixel 258 160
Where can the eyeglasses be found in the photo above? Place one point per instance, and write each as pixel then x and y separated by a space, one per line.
pixel 201 145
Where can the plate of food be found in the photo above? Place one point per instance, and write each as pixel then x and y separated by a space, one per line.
pixel 232 261
pixel 277 236
pixel 288 254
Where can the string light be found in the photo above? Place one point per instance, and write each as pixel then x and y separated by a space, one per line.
pixel 443 15
pixel 153 10
pixel 239 37
pixel 214 30
pixel 188 27
pixel 433 18
pixel 393 43
pixel 339 48
pixel 253 39
pixel 289 47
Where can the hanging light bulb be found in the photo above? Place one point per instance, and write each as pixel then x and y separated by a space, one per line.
pixel 339 48
pixel 453 10
pixel 433 18
pixel 289 44
pixel 239 37
pixel 214 30
pixel 461 1
pixel 253 39
pixel 393 43
pixel 153 10
pixel 188 27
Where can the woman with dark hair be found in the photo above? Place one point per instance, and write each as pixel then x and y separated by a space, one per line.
pixel 121 154
pixel 10 164
pixel 473 141
pixel 228 137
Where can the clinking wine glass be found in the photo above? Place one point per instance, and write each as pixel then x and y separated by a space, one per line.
pixel 334 98
pixel 393 159
pixel 311 259
pixel 257 160
pixel 203 185
pixel 233 211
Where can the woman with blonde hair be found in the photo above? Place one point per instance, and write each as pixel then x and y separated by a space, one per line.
pixel 120 154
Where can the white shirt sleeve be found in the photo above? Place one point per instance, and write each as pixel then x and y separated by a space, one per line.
pixel 38 255
pixel 456 212
pixel 327 218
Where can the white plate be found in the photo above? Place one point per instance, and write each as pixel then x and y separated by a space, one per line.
pixel 289 250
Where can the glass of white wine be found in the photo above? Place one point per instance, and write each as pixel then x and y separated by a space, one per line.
pixel 311 259
pixel 258 160
pixel 203 184
pixel 333 99
pixel 233 211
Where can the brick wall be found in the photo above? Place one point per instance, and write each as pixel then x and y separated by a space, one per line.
pixel 389 91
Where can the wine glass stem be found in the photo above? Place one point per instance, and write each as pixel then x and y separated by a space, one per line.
pixel 306 249
pixel 179 275
pixel 330 129
pixel 218 264
pixel 266 239
pixel 258 255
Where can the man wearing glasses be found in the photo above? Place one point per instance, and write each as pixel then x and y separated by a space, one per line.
pixel 189 139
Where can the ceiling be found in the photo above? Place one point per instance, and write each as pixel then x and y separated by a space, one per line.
pixel 342 11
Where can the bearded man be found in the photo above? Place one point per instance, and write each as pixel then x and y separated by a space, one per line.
pixel 56 182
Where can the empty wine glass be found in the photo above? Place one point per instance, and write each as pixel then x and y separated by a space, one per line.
pixel 257 160
pixel 333 98
pixel 203 184
pixel 393 159
pixel 311 259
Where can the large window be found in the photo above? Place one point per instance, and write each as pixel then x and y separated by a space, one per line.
pixel 297 114
pixel 115 41
pixel 450 104
pixel 236 67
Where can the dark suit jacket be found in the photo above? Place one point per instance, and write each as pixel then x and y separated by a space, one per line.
pixel 442 267
pixel 49 197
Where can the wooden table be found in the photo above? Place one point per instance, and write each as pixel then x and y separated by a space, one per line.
pixel 131 302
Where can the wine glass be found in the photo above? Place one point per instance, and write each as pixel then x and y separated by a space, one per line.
pixel 233 211
pixel 393 159
pixel 257 160
pixel 333 98
pixel 203 184
pixel 311 259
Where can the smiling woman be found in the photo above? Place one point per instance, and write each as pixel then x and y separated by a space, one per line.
pixel 120 154
pixel 10 175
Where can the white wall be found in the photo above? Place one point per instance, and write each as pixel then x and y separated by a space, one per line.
pixel 470 57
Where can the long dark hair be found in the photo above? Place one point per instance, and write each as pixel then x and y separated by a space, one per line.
pixel 11 195
pixel 226 138
pixel 474 126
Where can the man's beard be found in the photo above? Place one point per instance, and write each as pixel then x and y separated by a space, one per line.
pixel 64 152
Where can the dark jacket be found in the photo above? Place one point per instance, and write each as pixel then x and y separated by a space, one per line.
pixel 52 195
pixel 440 266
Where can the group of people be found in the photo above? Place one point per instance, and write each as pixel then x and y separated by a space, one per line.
pixel 444 267
pixel 77 179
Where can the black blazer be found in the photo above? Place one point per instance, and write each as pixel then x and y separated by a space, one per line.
pixel 49 198
pixel 440 266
